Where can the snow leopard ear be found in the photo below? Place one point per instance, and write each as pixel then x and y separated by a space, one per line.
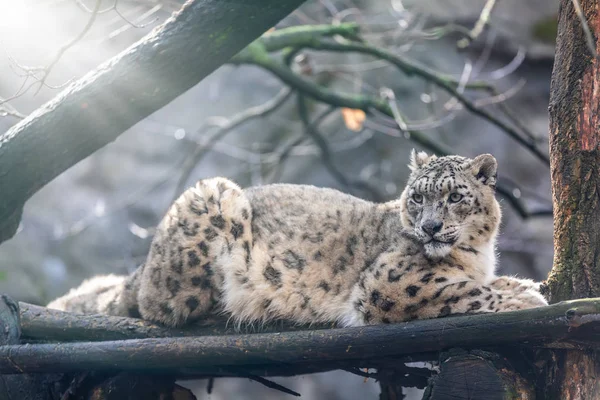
pixel 485 169
pixel 418 160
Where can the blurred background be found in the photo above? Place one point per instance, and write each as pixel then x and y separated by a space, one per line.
pixel 243 123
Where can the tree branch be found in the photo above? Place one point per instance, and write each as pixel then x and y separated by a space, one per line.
pixel 96 109
pixel 565 325
pixel 449 85
pixel 311 130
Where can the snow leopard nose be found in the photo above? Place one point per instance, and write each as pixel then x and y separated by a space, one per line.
pixel 431 226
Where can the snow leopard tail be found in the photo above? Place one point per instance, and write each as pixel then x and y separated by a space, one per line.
pixel 105 294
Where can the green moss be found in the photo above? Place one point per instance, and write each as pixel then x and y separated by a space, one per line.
pixel 545 30
pixel 222 36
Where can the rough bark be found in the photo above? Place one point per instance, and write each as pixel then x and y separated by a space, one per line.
pixel 21 387
pixel 575 157
pixel 477 375
pixel 40 324
pixel 575 168
pixel 97 108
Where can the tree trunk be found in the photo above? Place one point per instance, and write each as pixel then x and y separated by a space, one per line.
pixel 575 169
pixel 97 108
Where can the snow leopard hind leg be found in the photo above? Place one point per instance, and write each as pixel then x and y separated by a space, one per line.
pixel 207 228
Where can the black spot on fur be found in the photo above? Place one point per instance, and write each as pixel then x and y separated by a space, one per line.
pixel 411 308
pixel 208 269
pixel 293 261
pixel 173 285
pixel 325 286
pixel 247 250
pixel 474 292
pixel 203 248
pixel 210 234
pixel 266 303
pixel 375 296
pixel 187 228
pixel 476 305
pixel 445 311
pixel 237 229
pixel 272 275
pixel 177 266
pixel 358 304
pixel 165 308
pixel 155 276
pixel 462 284
pixel 452 300
pixel 338 289
pixel 196 209
pixel 192 303
pixel 340 265
pixel 201 281
pixel 245 213
pixel 412 290
pixel 193 259
pixel 440 279
pixel 318 256
pixel 486 227
pixel 394 275
pixel 440 291
pixel 468 249
pixel 427 277
pixel 387 304
pixel 351 244
pixel 217 221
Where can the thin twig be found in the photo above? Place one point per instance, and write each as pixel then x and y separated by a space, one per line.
pixel 70 44
pixel 247 115
pixel 482 21
pixel 327 158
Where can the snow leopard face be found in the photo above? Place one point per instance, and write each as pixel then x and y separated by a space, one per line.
pixel 449 201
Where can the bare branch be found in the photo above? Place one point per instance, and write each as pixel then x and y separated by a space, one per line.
pixel 109 98
pixel 247 115
pixel 482 21
pixel 70 44
pixel 326 156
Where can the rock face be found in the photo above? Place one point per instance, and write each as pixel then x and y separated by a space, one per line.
pixel 98 216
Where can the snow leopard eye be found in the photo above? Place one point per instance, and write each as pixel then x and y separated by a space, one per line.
pixel 455 197
pixel 417 198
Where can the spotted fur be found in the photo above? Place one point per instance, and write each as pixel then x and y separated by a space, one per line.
pixel 310 254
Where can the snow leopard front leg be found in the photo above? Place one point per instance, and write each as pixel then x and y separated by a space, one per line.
pixel 205 229
pixel 381 303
